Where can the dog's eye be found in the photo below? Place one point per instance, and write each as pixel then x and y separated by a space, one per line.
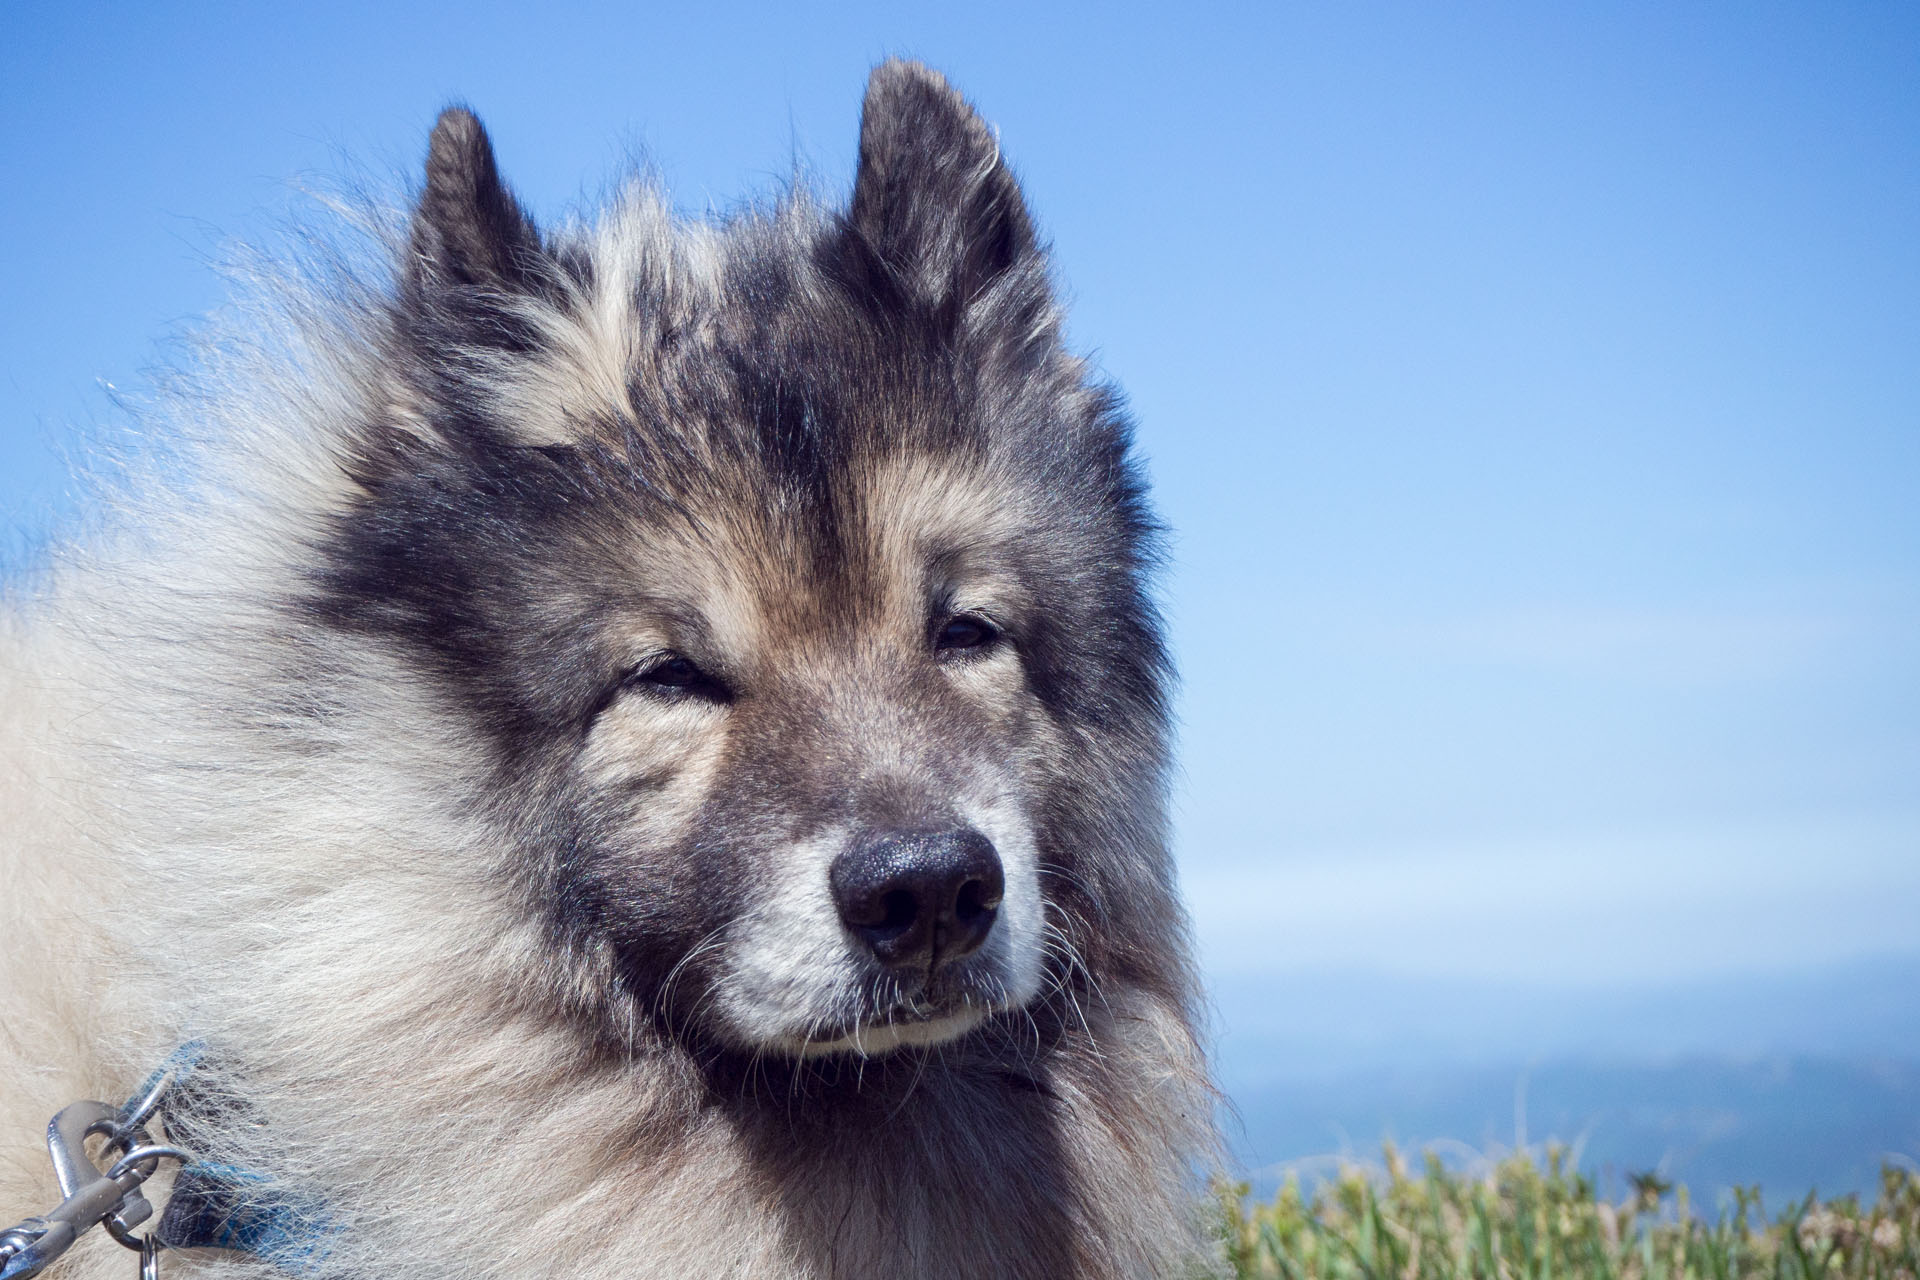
pixel 674 675
pixel 965 632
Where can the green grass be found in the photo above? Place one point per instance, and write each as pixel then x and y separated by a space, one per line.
pixel 1525 1222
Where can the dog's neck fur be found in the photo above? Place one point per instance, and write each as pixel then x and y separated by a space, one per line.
pixel 940 1165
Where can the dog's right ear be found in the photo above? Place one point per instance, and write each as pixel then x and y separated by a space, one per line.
pixel 468 230
pixel 470 289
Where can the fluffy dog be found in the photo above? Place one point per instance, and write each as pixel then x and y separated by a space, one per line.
pixel 630 750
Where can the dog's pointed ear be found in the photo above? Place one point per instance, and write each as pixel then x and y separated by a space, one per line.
pixel 933 197
pixel 468 230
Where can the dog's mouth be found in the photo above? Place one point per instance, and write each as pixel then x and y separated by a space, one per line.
pixel 922 1017
pixel 904 1026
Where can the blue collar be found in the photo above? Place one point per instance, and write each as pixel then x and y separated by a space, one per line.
pixel 226 1206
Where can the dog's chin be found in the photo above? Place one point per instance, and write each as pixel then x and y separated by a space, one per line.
pixel 872 1039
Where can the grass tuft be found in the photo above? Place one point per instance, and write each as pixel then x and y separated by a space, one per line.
pixel 1522 1221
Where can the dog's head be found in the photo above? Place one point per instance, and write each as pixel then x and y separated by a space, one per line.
pixel 789 573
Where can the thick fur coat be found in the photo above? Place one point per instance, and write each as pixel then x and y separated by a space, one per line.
pixel 456 719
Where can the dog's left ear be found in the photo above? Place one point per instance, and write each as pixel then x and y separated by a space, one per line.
pixel 468 230
pixel 933 198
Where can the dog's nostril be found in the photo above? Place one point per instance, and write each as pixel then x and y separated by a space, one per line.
pixel 919 899
pixel 898 910
pixel 975 899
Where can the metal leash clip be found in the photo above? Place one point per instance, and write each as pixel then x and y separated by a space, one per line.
pixel 109 1198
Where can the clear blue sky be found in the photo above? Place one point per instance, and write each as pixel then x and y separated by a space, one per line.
pixel 1534 389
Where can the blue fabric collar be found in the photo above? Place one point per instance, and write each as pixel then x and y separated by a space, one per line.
pixel 226 1206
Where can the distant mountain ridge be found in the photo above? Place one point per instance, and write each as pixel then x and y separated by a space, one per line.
pixel 1796 1082
pixel 1791 1125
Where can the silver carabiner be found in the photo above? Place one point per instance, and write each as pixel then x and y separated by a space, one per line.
pixel 109 1199
pixel 91 1197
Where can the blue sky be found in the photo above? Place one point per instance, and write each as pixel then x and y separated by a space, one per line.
pixel 1534 391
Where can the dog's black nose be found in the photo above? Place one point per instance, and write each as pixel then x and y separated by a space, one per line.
pixel 919 899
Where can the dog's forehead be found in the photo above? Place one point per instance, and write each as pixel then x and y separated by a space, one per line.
pixel 873 547
pixel 724 363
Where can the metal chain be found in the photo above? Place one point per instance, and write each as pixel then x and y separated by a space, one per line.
pixel 109 1199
